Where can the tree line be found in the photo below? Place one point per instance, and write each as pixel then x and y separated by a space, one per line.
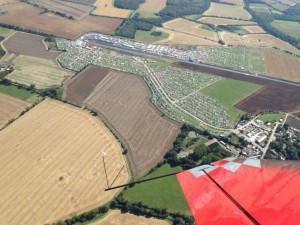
pixel 128 4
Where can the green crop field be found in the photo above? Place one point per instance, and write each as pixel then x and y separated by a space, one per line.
pixel 42 73
pixel 288 27
pixel 161 193
pixel 4 32
pixel 271 117
pixel 146 36
pixel 228 92
pixel 20 93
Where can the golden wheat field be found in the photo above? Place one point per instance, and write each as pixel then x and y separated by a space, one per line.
pixel 153 5
pixel 51 164
pixel 115 217
pixel 106 8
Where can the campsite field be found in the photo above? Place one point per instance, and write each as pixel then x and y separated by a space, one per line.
pixel 228 92
pixel 191 28
pixel 160 193
pixel 115 217
pixel 70 9
pixel 228 11
pixel 153 5
pixel 50 23
pixel 27 44
pixel 54 167
pixel 223 21
pixel 106 8
pixel 287 96
pixel 10 108
pixel 282 65
pixel 123 101
pixel 43 73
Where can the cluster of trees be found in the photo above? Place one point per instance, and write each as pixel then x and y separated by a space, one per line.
pixel 284 146
pixel 128 4
pixel 179 8
pixel 131 25
pixel 264 19
pixel 202 154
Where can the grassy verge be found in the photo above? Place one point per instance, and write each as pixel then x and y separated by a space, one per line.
pixel 229 92
pixel 271 117
pixel 161 193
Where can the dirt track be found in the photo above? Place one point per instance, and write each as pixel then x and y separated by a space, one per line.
pixel 273 96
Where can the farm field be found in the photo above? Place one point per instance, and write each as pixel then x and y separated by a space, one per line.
pixel 84 2
pixel 125 107
pixel 115 217
pixel 191 28
pixel 288 27
pixel 282 65
pixel 84 83
pixel 27 44
pixel 5 2
pixel 223 21
pixel 10 108
pixel 228 92
pixel 293 122
pixel 21 94
pixel 238 58
pixel 178 38
pixel 56 25
pixel 147 37
pixel 271 117
pixel 54 168
pixel 229 11
pixel 153 5
pixel 287 96
pixel 254 29
pixel 43 73
pixel 257 40
pixel 233 2
pixel 4 32
pixel 106 8
pixel 160 193
pixel 70 9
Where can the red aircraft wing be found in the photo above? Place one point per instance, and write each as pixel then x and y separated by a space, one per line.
pixel 244 191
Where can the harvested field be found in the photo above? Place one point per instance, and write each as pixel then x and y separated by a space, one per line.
pixel 177 38
pixel 257 40
pixel 153 5
pixel 69 9
pixel 222 21
pixel 106 8
pixel 273 96
pixel 191 28
pixel 27 44
pixel 10 108
pixel 56 25
pixel 84 2
pixel 123 101
pixel 229 11
pixel 53 167
pixel 115 217
pixel 43 73
pixel 254 29
pixel 5 2
pixel 282 65
pixel 293 122
pixel 84 83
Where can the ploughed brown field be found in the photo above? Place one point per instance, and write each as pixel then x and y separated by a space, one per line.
pixel 10 108
pixel 123 101
pixel 293 122
pixel 50 23
pixel 273 95
pixel 27 44
pixel 115 217
pixel 51 165
pixel 282 65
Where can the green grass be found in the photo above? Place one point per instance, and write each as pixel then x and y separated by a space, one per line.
pixel 144 14
pixel 145 36
pixel 271 117
pixel 193 17
pixel 288 27
pixel 161 193
pixel 20 93
pixel 4 32
pixel 229 92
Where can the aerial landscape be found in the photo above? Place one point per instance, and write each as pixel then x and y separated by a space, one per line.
pixel 106 104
